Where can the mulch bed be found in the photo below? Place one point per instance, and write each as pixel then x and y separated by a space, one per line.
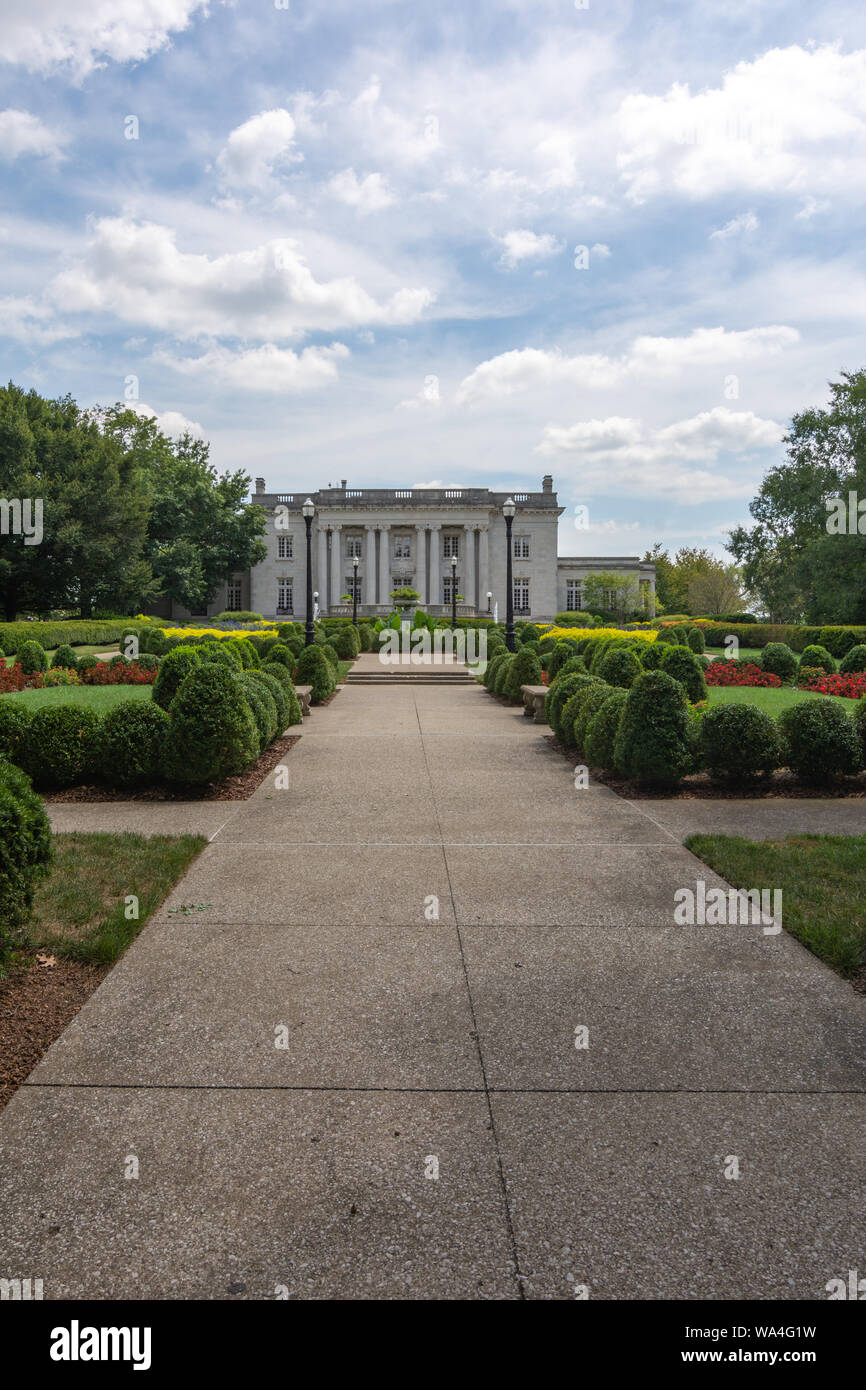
pixel 701 786
pixel 238 788
pixel 36 1004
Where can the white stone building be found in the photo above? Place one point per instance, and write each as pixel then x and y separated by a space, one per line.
pixel 407 537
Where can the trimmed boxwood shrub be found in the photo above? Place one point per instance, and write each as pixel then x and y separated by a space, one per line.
pixel 778 659
pixel 821 740
pixel 315 670
pixel 281 674
pixel 87 663
pixel 652 654
pixel 65 656
pixel 816 656
pixel 525 669
pixel 501 676
pixel 25 850
pixel 696 641
pixel 365 636
pixel 854 659
pixel 575 666
pixel 530 633
pixel 212 733
pixel 130 742
pixel 263 706
pixel 683 665
pixel 738 742
pixel 61 744
pixel 493 663
pixel 589 702
pixel 562 652
pixel 14 720
pixel 331 655
pixel 345 642
pixel 117 660
pixel 837 640
pixel 859 720
pixel 278 694
pixel 32 657
pixel 602 729
pixel 652 742
pixel 220 653
pixel 620 667
pixel 559 694
pixel 148 662
pixel 174 668
pixel 280 653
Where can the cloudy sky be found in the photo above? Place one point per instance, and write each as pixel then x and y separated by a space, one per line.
pixel 620 242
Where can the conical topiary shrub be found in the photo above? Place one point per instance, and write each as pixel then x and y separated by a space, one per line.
pixel 314 669
pixel 212 732
pixel 525 669
pixel 652 744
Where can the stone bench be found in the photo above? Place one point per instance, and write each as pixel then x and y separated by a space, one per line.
pixel 303 693
pixel 534 697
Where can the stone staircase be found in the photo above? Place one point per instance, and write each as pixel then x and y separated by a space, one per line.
pixel 450 674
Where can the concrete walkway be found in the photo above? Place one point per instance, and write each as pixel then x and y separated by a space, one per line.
pixel 421 923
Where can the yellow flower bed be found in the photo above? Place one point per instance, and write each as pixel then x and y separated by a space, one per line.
pixel 217 632
pixel 578 633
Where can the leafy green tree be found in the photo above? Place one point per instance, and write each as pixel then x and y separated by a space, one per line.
pixel 612 594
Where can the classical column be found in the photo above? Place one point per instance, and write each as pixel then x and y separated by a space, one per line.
pixel 336 565
pixel 368 588
pixel 434 581
pixel 321 581
pixel 483 566
pixel 384 562
pixel 469 567
pixel 421 562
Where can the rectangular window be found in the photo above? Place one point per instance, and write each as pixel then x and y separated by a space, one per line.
pixel 284 596
pixel 450 546
pixel 284 547
pixel 353 547
pixel 521 595
pixel 402 548
pixel 234 596
pixel 353 583
pixel 573 595
pixel 446 587
pixel 521 547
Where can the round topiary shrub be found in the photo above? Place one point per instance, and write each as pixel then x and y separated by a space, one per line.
pixel 589 702
pixel 87 663
pixel 652 742
pixel 365 637
pixel 212 733
pixel 147 662
pixel 280 653
pixel 620 667
pixel 557 697
pixel 117 660
pixel 562 652
pixel 738 742
pixel 14 721
pixel 222 652
pixel 314 669
pixel 278 694
pixel 281 674
pixel 602 729
pixel 652 654
pixel 61 745
pixel 530 633
pixel 498 686
pixel 157 642
pixel 820 740
pixel 778 660
pixel 818 658
pixel 130 742
pixel 859 718
pixel 25 850
pixel 65 657
pixel 696 641
pixel 330 652
pixel 493 663
pixel 246 654
pixel 32 658
pixel 174 668
pixel 854 660
pixel 682 664
pixel 525 669
pixel 575 666
pixel 263 706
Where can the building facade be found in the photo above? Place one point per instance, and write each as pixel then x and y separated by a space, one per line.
pixel 408 537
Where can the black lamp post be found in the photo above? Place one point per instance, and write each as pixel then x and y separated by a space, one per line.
pixel 508 510
pixel 454 591
pixel 489 601
pixel 355 590
pixel 309 511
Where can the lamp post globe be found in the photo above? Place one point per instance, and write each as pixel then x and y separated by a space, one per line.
pixel 309 511
pixel 508 510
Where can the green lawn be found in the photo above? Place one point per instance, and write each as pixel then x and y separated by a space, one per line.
pixel 79 651
pixel 99 697
pixel 80 908
pixel 772 701
pixel 746 653
pixel 823 883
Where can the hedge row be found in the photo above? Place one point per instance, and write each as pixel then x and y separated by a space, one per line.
pixel 73 633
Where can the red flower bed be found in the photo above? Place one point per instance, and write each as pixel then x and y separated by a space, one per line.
pixel 103 674
pixel 739 673
pixel 852 687
pixel 11 678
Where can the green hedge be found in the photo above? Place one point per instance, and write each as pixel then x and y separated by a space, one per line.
pixel 73 633
pixel 25 850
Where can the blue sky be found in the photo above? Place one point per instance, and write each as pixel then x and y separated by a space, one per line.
pixel 408 244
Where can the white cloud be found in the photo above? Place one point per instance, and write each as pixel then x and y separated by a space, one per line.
pixel 46 34
pixel 170 422
pixel 791 122
pixel 811 208
pixel 22 133
pixel 427 396
pixel 423 487
pixel 266 368
pixel 528 369
pixel 601 250
pixel 255 148
pixel 32 322
pixel 619 454
pixel 134 271
pixel 369 194
pixel 522 245
pixel 746 223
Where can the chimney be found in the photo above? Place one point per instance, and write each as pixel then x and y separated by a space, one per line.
pixel 260 484
pixel 547 483
pixel 343 484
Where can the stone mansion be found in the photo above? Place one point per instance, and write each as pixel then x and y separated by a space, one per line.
pixel 407 537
